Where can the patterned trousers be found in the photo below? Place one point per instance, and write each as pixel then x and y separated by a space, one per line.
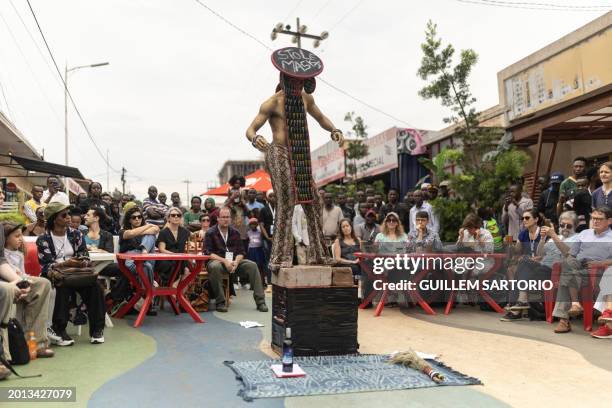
pixel 277 164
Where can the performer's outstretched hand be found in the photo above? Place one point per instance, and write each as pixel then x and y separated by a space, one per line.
pixel 337 136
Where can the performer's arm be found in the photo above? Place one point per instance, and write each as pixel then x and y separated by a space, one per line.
pixel 262 117
pixel 323 120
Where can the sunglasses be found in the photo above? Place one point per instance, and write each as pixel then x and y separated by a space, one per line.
pixel 566 226
pixel 136 217
pixel 205 219
pixel 63 215
pixel 597 219
pixel 392 220
pixel 527 218
pixel 175 215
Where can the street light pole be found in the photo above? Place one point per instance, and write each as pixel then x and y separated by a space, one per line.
pixel 66 71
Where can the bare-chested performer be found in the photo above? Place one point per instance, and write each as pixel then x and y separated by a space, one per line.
pixel 288 156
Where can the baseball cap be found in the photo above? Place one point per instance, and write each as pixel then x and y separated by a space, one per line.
pixel 253 221
pixel 445 183
pixel 371 212
pixel 556 177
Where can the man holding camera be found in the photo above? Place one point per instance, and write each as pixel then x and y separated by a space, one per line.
pixel 54 192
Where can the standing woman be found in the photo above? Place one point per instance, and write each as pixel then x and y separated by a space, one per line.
pixel 62 246
pixel 346 245
pixel 602 197
pixel 172 239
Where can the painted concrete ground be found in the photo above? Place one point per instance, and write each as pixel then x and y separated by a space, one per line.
pixel 172 361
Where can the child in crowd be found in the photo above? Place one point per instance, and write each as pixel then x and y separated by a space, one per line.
pixel 33 305
pixel 256 252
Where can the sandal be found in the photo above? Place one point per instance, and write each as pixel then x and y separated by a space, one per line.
pixel 563 327
pixel 575 311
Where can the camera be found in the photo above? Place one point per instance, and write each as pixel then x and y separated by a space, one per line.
pixel 23 284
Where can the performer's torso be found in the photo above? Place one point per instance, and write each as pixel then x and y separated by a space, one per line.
pixel 277 119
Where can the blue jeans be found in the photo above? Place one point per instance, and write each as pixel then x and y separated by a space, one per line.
pixel 148 241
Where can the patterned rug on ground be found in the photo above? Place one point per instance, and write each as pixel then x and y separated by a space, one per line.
pixel 338 375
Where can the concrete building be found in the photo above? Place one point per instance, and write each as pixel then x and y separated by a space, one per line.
pixel 238 168
pixel 558 101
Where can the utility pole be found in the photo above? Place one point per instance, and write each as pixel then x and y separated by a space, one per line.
pixel 123 180
pixel 187 182
pixel 297 35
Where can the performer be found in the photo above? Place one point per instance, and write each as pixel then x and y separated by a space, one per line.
pixel 288 156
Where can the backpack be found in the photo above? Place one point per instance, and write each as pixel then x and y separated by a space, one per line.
pixel 20 354
pixel 3 360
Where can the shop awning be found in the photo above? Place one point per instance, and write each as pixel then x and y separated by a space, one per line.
pixel 41 166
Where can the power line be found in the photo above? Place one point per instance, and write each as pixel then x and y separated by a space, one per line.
pixel 25 59
pixel 40 52
pixel 523 3
pixel 538 6
pixel 327 3
pixel 345 16
pixel 68 91
pixel 299 3
pixel 343 92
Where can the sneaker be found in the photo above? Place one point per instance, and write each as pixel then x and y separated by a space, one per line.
pixel 519 306
pixel 512 317
pixel 236 287
pixel 97 337
pixel 117 307
pixel 606 316
pixel 262 307
pixel 65 340
pixel 221 307
pixel 604 332
pixel 52 336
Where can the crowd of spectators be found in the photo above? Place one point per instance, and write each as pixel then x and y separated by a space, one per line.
pixel 570 225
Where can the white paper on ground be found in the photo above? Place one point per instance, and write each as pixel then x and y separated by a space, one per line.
pixel 279 373
pixel 248 324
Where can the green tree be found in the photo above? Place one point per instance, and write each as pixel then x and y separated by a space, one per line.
pixel 356 148
pixel 486 166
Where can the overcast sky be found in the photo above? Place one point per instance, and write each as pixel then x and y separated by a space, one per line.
pixel 183 85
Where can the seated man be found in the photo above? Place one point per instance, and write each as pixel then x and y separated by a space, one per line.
pixel 423 239
pixel 604 299
pixel 9 294
pixel 590 246
pixel 226 250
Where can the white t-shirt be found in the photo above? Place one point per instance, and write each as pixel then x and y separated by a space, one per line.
pixel 15 259
pixel 59 197
pixel 63 249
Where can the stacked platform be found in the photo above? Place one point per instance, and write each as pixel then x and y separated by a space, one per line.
pixel 319 304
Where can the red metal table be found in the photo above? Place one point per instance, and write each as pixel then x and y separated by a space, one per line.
pixel 148 292
pixel 417 277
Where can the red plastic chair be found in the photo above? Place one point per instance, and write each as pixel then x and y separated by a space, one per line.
pixel 586 295
pixel 32 267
